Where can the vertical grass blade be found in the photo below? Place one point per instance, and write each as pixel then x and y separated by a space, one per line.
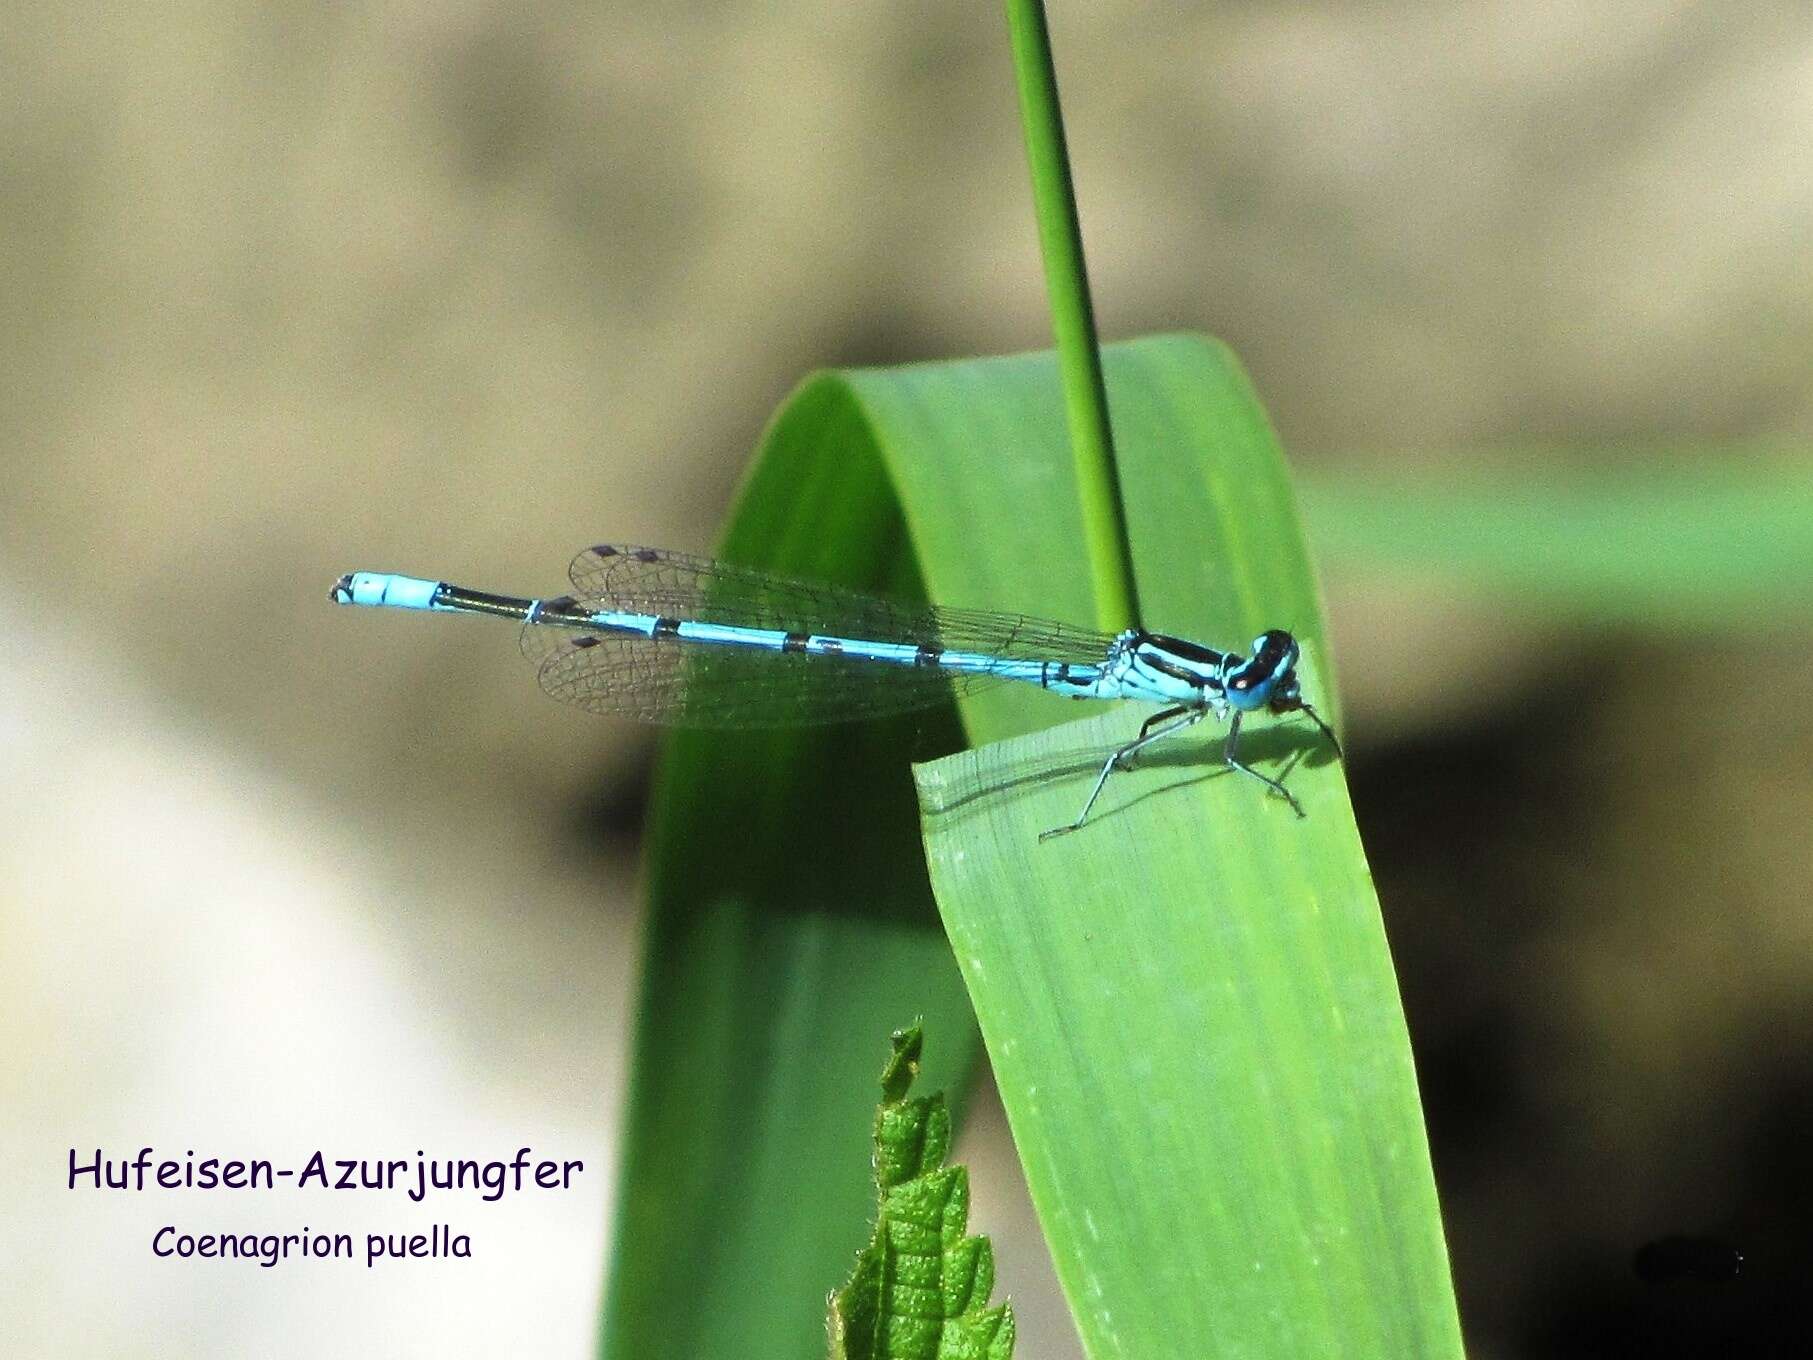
pixel 1073 320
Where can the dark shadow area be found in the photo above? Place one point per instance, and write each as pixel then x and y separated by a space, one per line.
pixel 613 817
pixel 1742 1291
pixel 1583 1219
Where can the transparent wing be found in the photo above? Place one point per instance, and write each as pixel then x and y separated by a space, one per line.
pixel 689 684
pixel 655 581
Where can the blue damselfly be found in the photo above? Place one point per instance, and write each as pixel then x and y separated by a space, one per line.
pixel 667 637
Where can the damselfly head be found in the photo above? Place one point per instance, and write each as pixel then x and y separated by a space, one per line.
pixel 1269 673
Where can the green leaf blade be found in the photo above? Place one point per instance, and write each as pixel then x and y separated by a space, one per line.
pixel 1189 1004
pixel 1194 1027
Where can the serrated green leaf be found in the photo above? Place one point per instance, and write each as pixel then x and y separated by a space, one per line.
pixel 920 1289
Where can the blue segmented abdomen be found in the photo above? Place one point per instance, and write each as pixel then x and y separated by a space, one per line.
pixel 704 634
pixel 671 638
pixel 690 672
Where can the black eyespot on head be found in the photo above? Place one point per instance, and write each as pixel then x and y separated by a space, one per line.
pixel 603 550
pixel 586 641
pixel 647 555
pixel 1275 645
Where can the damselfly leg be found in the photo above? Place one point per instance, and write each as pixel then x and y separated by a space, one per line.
pixel 1160 726
pixel 1155 728
pixel 1228 754
pixel 1327 731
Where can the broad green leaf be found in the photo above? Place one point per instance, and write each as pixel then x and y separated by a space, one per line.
pixel 790 915
pixel 1189 1004
pixel 919 1290
pixel 1681 537
pixel 1195 1029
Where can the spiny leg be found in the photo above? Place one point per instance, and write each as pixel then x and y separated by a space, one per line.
pixel 1327 731
pixel 1228 754
pixel 1190 716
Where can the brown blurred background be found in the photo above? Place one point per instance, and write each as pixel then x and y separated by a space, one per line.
pixel 291 289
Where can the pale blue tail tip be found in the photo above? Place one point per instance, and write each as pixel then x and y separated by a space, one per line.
pixel 384 588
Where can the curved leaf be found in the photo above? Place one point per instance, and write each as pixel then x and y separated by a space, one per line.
pixel 791 917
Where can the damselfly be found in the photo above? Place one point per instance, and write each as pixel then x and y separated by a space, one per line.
pixel 667 637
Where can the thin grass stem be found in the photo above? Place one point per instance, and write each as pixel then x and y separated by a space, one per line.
pixel 1104 515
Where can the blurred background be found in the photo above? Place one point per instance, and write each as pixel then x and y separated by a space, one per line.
pixel 455 288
